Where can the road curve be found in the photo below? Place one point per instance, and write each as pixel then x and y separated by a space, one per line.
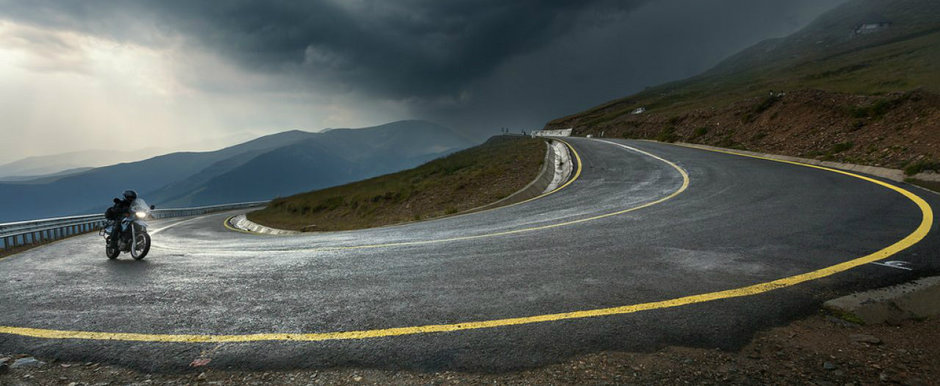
pixel 643 224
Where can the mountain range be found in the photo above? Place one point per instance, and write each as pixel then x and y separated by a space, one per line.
pixel 53 165
pixel 267 167
pixel 859 84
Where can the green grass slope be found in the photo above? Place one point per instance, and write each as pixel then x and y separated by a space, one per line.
pixel 453 184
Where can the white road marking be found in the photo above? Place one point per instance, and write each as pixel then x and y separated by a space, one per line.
pixel 173 225
pixel 895 264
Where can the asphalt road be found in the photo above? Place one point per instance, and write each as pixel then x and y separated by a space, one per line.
pixel 628 231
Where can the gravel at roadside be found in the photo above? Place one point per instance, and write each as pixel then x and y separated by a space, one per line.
pixel 821 350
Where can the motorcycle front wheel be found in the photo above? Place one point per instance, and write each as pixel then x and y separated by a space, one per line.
pixel 142 246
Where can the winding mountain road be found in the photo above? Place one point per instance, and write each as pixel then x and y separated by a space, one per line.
pixel 651 245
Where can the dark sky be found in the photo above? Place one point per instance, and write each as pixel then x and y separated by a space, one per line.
pixel 473 65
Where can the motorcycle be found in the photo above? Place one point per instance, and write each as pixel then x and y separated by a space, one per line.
pixel 134 238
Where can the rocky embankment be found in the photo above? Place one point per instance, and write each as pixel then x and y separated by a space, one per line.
pixel 897 130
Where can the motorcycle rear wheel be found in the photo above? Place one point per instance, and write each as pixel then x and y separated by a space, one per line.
pixel 112 253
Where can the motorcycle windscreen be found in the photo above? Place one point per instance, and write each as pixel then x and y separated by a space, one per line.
pixel 139 205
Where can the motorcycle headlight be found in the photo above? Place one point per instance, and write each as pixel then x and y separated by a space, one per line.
pixel 141 214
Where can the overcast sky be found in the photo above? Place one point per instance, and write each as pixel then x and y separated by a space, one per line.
pixel 90 74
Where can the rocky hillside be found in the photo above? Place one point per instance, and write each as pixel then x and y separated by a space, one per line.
pixel 860 84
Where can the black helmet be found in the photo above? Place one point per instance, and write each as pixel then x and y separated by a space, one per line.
pixel 130 195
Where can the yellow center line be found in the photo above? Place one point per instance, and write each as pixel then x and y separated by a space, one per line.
pixel 906 242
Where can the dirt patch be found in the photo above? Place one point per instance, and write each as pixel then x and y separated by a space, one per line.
pixel 820 350
pixel 896 130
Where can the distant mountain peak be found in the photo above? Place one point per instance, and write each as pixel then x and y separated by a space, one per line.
pixel 281 163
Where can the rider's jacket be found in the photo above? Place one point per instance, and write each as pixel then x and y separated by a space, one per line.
pixel 120 209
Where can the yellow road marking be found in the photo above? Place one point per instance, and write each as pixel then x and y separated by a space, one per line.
pixel 911 239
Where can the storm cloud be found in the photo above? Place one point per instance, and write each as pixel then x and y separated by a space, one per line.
pixel 394 49
pixel 470 64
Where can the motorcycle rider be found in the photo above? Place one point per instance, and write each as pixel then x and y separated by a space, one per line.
pixel 121 209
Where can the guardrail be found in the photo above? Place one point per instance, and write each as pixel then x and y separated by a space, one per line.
pixel 552 133
pixel 16 234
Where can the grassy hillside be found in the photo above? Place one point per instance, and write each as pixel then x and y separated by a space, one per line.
pixel 877 91
pixel 456 183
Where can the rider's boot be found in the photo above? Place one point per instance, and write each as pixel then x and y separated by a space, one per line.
pixel 115 235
